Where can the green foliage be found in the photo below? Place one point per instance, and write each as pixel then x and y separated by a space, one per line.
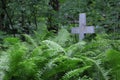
pixel 44 62
pixel 99 13
pixel 63 37
pixel 53 46
pixel 11 41
pixel 26 16
pixel 4 62
pixel 60 65
pixel 44 55
pixel 36 59
pixel 73 49
pixel 74 73
pixel 30 40
pixel 113 57
pixel 113 61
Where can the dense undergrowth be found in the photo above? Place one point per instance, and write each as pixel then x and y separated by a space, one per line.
pixel 60 58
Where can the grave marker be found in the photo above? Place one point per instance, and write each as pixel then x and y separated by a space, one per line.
pixel 82 29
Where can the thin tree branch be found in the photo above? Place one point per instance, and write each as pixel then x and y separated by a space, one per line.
pixel 4 8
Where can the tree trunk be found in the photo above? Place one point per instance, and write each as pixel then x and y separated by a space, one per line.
pixel 51 17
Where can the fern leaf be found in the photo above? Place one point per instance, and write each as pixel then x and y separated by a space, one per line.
pixel 63 37
pixel 61 65
pixel 30 40
pixel 71 50
pixel 53 46
pixel 75 72
pixel 100 69
pixel 4 62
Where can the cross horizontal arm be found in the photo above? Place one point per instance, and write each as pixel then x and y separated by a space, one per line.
pixel 89 29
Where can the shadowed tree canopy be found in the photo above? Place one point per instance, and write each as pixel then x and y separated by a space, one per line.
pixel 18 16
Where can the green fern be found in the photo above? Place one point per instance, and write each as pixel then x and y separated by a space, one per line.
pixel 85 78
pixel 30 40
pixel 4 62
pixel 11 41
pixel 51 61
pixel 103 75
pixel 113 58
pixel 73 48
pixel 53 46
pixel 16 54
pixel 63 37
pixel 74 73
pixel 61 64
pixel 36 51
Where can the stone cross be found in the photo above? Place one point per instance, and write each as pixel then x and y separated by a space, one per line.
pixel 82 29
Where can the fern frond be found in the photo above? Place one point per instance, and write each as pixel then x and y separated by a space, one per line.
pixel 85 78
pixel 53 46
pixel 103 74
pixel 63 37
pixel 36 51
pixel 11 41
pixel 4 62
pixel 74 73
pixel 30 40
pixel 71 50
pixel 113 58
pixel 61 64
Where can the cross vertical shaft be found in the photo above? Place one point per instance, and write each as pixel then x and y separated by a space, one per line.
pixel 82 25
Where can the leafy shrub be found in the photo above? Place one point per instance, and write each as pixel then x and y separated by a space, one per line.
pixel 113 63
pixel 49 60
